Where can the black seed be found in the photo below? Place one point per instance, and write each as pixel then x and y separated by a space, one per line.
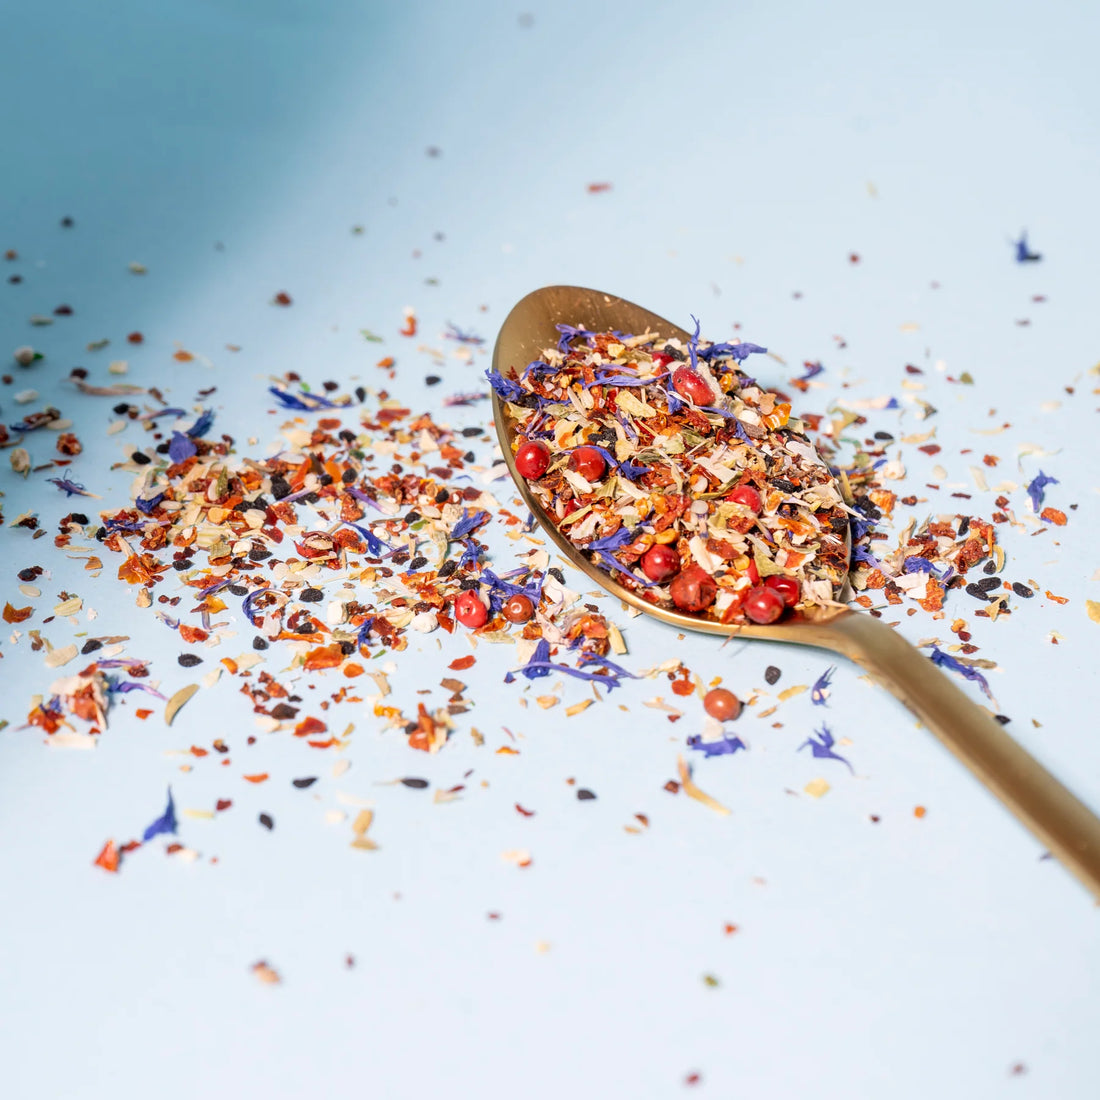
pixel 118 410
pixel 447 568
pixel 238 590
pixel 161 448
pixel 1022 590
pixel 348 476
pixel 301 784
pixel 360 394
pixel 469 456
pixel 307 628
pixel 326 479
pixel 283 712
pixel 986 584
pixel 67 222
pixel 782 484
pixel 977 593
pixel 416 784
pixel 401 557
pixel 30 573
pixel 311 498
pixel 884 436
pixel 432 380
pixel 101 534
pixel 258 553
pixel 141 458
pixel 470 584
pixel 181 565
pixel 189 660
pixel 280 487
pixel 964 526
pixel 412 517
pixel 347 436
pixel 557 574
pixel 311 595
pixel 90 646
pixel 259 642
pixel 468 432
pixel 347 648
pixel 267 821
pixel 990 567
pixel 676 353
pixel 78 517
pixel 1003 719
pixel 772 674
pixel 418 563
pixel 442 496
pixel 585 795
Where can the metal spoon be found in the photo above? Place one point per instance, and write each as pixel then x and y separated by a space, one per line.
pixel 1060 820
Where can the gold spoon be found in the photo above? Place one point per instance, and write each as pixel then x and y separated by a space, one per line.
pixel 1060 820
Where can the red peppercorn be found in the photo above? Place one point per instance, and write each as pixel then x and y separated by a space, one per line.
pixel 749 497
pixel 518 609
pixel 660 562
pixel 470 610
pixel 689 383
pixel 588 462
pixel 787 587
pixel 533 459
pixel 694 589
pixel 763 605
pixel 722 704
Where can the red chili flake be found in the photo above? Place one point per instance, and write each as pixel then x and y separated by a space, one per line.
pixel 136 338
pixel 1053 515
pixel 693 1078
pixel 729 929
pixel 327 656
pixel 990 460
pixel 598 188
pixel 223 804
pixel 930 449
pixel 143 712
pixel 109 857
pixel 526 813
pixel 261 778
pixel 192 634
pixel 853 257
pixel 196 751
pixel 460 664
pixel 672 787
pixel 281 299
pixel 409 327
pixel 309 726
pixel 17 614
pixel 919 811
pixel 1057 599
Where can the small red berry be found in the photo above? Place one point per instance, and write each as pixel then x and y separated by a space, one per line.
pixel 763 605
pixel 689 383
pixel 533 459
pixel 694 589
pixel 787 587
pixel 470 610
pixel 749 497
pixel 588 462
pixel 660 562
pixel 518 609
pixel 722 704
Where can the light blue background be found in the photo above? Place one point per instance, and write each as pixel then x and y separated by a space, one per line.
pixel 899 960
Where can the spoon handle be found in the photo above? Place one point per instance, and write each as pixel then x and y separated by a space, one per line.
pixel 1056 816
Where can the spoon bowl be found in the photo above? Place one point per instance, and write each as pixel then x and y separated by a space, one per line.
pixel 1057 817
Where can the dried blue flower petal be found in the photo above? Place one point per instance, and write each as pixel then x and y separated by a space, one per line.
pixel 1036 489
pixel 181 448
pixel 812 371
pixel 166 823
pixel 570 332
pixel 248 605
pixel 822 747
pixel 819 693
pixel 740 352
pixel 862 554
pixel 147 504
pixel 361 638
pixel 202 425
pixel 453 332
pixel 945 660
pixel 536 367
pixel 69 488
pixel 468 523
pixel 727 746
pixel 1024 255
pixel 505 388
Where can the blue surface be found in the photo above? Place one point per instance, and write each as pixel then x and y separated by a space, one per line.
pixel 897 959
